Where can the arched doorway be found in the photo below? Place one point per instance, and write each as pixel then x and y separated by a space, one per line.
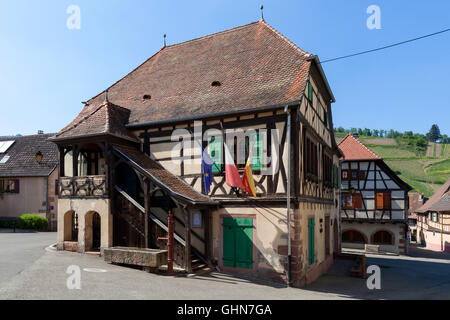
pixel 353 236
pixel 93 231
pixel 383 237
pixel 71 226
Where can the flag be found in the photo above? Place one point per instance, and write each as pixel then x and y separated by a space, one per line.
pixel 247 179
pixel 207 164
pixel 232 177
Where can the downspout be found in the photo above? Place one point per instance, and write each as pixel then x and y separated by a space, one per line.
pixel 288 192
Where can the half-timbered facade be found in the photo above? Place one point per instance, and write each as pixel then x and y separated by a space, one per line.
pixel 374 201
pixel 433 221
pixel 133 154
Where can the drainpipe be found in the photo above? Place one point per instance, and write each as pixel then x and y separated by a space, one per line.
pixel 288 191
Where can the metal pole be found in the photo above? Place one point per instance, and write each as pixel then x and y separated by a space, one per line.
pixel 288 192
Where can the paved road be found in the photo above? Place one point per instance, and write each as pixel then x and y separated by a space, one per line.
pixel 18 251
pixel 425 275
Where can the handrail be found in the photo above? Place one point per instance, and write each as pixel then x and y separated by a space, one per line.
pixel 154 218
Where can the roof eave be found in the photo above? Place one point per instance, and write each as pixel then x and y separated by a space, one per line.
pixel 212 115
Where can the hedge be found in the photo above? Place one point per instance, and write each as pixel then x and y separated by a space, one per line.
pixel 32 222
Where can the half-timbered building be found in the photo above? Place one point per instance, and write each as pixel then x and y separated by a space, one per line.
pixel 374 201
pixel 133 154
pixel 433 220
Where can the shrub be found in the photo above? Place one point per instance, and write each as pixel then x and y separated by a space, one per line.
pixel 7 224
pixel 32 222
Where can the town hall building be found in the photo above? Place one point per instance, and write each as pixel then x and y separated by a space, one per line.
pixel 122 169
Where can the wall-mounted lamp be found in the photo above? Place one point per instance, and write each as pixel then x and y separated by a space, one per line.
pixel 39 157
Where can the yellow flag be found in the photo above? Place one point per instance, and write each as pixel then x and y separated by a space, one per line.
pixel 248 181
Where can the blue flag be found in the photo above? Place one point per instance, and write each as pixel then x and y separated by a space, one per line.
pixel 207 164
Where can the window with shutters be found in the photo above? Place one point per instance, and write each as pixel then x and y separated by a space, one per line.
pixel 351 201
pixel 327 170
pixel 310 92
pixel 383 201
pixel 9 186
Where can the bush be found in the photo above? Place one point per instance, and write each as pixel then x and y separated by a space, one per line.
pixel 32 222
pixel 7 224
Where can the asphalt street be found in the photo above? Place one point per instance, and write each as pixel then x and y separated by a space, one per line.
pixel 28 271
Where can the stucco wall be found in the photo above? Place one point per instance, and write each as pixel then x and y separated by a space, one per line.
pixel 30 199
pixel 369 229
pixel 269 238
pixel 82 207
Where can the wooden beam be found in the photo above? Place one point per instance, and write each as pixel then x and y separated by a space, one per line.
pixel 147 211
pixel 187 239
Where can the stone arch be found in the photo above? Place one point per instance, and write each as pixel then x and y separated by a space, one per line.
pixel 383 237
pixel 354 236
pixel 71 226
pixel 92 233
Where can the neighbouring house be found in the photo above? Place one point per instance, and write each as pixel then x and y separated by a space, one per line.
pixel 374 201
pixel 416 200
pixel 122 167
pixel 27 185
pixel 433 224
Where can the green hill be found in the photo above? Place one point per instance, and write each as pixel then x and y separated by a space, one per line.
pixel 425 171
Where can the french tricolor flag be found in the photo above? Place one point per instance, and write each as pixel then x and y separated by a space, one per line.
pixel 232 177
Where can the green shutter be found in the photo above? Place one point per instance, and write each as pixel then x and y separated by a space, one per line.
pixel 215 152
pixel 229 244
pixel 256 160
pixel 310 91
pixel 238 243
pixel 311 239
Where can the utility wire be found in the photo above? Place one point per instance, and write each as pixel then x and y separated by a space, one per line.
pixel 386 47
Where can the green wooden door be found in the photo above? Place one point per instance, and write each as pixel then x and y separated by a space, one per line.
pixel 238 243
pixel 311 245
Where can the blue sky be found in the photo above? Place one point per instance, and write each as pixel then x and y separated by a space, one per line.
pixel 46 70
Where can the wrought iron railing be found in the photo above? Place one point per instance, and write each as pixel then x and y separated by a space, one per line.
pixel 83 187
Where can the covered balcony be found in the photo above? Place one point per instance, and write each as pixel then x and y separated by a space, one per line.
pixel 83 171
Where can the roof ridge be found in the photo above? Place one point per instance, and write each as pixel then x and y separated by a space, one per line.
pixel 292 44
pixel 213 34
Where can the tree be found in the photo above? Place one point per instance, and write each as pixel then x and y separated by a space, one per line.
pixel 340 130
pixel 434 134
pixel 376 132
pixel 445 139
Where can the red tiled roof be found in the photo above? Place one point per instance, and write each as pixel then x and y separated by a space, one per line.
pixel 160 175
pixel 353 149
pixel 104 118
pixel 443 192
pixel 255 65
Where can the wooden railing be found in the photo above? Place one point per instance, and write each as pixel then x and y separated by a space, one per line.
pixel 83 187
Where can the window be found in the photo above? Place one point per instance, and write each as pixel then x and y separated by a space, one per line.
pixel 383 237
pixel 383 201
pixel 256 156
pixel 311 159
pixel 435 217
pixel 328 177
pixel 353 237
pixel 344 174
pixel 10 186
pixel 351 201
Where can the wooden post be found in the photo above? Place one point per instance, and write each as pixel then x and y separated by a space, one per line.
pixel 61 162
pixel 75 160
pixel 207 228
pixel 147 210
pixel 187 251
